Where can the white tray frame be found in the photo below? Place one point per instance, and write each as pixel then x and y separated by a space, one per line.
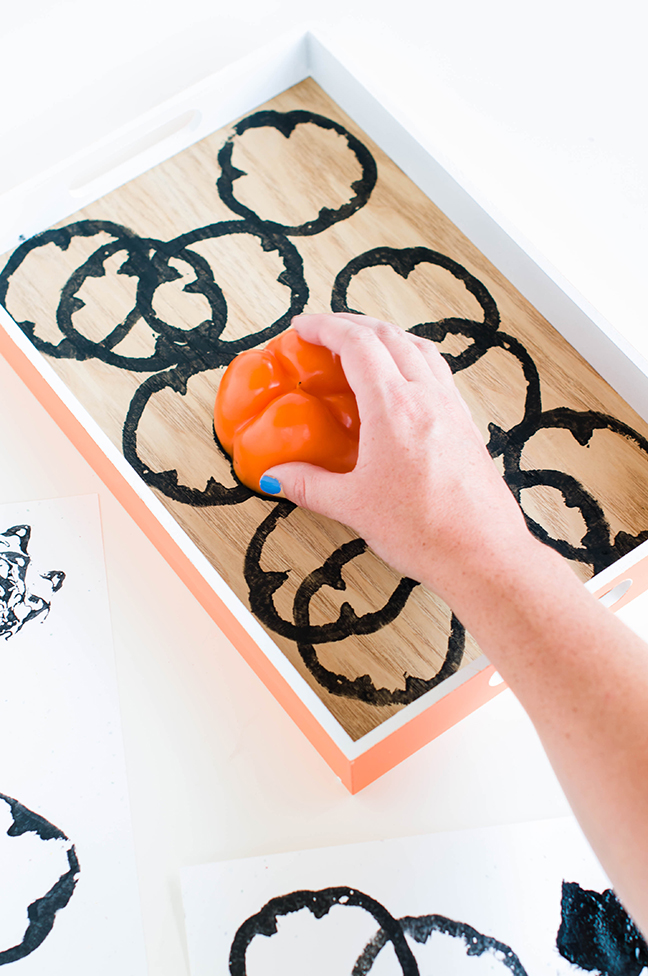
pixel 190 116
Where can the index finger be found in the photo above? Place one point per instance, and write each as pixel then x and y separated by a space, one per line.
pixel 427 347
pixel 368 364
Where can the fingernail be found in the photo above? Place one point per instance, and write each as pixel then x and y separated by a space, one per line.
pixel 269 484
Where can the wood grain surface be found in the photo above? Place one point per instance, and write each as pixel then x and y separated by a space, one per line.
pixel 152 354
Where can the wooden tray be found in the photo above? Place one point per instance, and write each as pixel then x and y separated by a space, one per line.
pixel 138 301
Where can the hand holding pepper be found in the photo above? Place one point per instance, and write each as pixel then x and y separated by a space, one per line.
pixel 426 496
pixel 423 478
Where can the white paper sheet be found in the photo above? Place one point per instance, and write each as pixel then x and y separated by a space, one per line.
pixel 483 901
pixel 62 754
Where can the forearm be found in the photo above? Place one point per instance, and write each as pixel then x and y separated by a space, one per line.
pixel 582 676
pixel 427 498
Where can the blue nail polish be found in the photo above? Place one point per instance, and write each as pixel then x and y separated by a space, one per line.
pixel 269 484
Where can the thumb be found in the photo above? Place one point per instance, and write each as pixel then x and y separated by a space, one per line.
pixel 304 484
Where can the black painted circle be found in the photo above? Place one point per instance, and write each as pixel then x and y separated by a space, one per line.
pixel 403 261
pixel 363 689
pixel 62 237
pixel 286 122
pixel 139 264
pixel 167 482
pixel 421 928
pixel 597 549
pixel 203 285
pixel 202 347
pixel 41 914
pixel 262 584
pixel 319 903
pixel 486 339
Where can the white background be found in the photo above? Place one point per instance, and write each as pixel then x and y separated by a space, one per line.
pixel 539 108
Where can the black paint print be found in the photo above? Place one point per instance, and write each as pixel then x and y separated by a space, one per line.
pixel 41 913
pixel 263 584
pixel 138 264
pixel 484 340
pixel 404 261
pixel 62 238
pixel 319 903
pixel 421 928
pixel 167 482
pixel 362 687
pixel 286 122
pixel 179 354
pixel 148 261
pixel 202 348
pixel 597 935
pixel 485 334
pixel 390 931
pixel 597 547
pixel 19 604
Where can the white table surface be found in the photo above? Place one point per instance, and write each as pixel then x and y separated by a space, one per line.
pixel 541 109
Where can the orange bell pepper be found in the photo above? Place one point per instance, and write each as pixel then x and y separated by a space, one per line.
pixel 287 402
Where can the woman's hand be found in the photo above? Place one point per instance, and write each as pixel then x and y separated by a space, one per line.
pixel 428 499
pixel 425 493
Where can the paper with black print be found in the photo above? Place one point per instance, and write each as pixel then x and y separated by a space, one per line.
pixel 524 899
pixel 69 900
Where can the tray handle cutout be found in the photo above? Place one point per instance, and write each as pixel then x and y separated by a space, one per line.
pixel 613 596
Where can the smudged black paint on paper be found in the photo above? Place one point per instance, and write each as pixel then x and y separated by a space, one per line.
pixel 27 822
pixel 597 934
pixel 18 605
pixel 41 914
